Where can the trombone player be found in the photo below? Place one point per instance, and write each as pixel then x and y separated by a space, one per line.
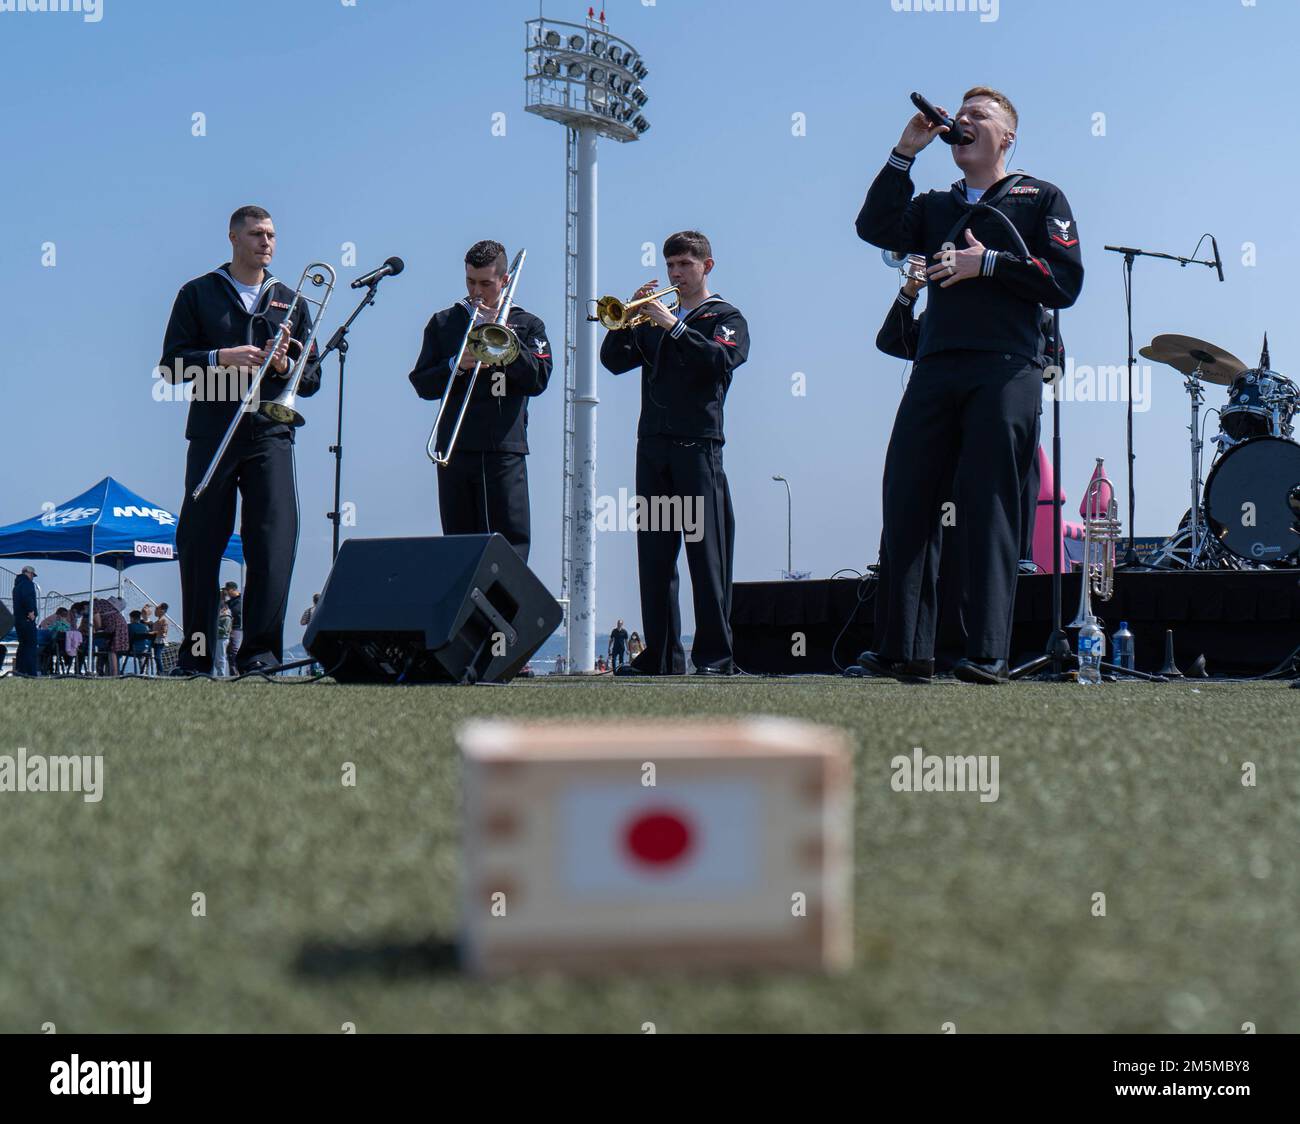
pixel 483 481
pixel 228 321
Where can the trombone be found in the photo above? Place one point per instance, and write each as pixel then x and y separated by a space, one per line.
pixel 616 314
pixel 282 408
pixel 493 343
pixel 1101 531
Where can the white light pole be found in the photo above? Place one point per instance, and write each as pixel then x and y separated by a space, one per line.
pixel 580 76
pixel 789 526
pixel 582 522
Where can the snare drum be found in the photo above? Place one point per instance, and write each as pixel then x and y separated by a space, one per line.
pixel 1260 404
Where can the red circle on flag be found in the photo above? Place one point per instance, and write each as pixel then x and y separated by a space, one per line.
pixel 658 838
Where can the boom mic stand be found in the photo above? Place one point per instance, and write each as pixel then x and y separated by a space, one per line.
pixel 339 342
pixel 1057 654
pixel 1131 557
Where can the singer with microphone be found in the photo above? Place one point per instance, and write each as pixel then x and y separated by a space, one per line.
pixel 1001 248
pixel 484 487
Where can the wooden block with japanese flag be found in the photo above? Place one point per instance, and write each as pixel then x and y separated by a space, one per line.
pixel 627 845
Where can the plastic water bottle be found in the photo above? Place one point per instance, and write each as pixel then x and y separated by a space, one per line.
pixel 1122 646
pixel 1092 646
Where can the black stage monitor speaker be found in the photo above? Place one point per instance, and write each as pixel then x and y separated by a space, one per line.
pixel 455 609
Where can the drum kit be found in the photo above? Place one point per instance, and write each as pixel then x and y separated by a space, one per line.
pixel 1247 514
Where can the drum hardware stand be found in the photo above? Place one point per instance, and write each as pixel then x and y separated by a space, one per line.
pixel 1131 556
pixel 1194 388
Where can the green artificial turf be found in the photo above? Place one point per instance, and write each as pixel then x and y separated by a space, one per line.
pixel 329 904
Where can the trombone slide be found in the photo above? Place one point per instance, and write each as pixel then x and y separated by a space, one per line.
pixel 281 409
pixel 494 343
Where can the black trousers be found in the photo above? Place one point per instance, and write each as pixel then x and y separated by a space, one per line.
pixel 685 478
pixel 27 659
pixel 945 615
pixel 260 471
pixel 486 493
pixel 966 435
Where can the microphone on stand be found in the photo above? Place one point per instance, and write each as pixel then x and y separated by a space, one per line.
pixel 1218 261
pixel 391 268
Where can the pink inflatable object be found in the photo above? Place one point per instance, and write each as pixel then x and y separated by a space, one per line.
pixel 1105 492
pixel 1043 520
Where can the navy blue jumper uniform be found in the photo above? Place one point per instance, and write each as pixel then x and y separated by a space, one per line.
pixel 484 487
pixel 900 336
pixel 970 413
pixel 685 375
pixel 258 467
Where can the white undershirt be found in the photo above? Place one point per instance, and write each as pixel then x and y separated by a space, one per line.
pixel 247 294
pixel 973 194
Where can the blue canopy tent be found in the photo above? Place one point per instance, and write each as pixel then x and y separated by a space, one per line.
pixel 107 523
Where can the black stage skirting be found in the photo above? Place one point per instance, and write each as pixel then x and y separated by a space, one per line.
pixel 1243 623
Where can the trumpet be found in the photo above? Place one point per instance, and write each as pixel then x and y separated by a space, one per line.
pixel 493 343
pixel 616 314
pixel 1101 531
pixel 281 409
pixel 911 266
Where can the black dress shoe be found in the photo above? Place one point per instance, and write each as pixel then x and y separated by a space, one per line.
pixel 988 672
pixel 716 670
pixel 266 664
pixel 629 669
pixel 905 671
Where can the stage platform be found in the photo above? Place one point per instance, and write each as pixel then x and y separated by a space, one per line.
pixel 1243 623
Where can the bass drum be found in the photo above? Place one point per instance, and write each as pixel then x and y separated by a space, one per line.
pixel 1252 501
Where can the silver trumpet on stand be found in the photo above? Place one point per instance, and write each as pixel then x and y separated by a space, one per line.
pixel 1101 531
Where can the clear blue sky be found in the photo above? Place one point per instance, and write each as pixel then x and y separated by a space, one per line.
pixel 372 124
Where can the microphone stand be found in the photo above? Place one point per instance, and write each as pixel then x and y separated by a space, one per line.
pixel 1057 654
pixel 1131 556
pixel 339 342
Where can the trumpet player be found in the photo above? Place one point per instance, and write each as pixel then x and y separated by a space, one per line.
pixel 687 357
pixel 223 327
pixel 483 488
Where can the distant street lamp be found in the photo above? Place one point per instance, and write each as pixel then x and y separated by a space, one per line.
pixel 789 520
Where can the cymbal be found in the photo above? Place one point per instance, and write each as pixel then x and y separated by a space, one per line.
pixel 1186 354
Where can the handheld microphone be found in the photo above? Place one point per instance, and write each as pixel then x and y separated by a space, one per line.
pixel 955 134
pixel 391 268
pixel 1218 261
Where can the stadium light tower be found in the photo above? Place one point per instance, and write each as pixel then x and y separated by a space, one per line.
pixel 580 76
